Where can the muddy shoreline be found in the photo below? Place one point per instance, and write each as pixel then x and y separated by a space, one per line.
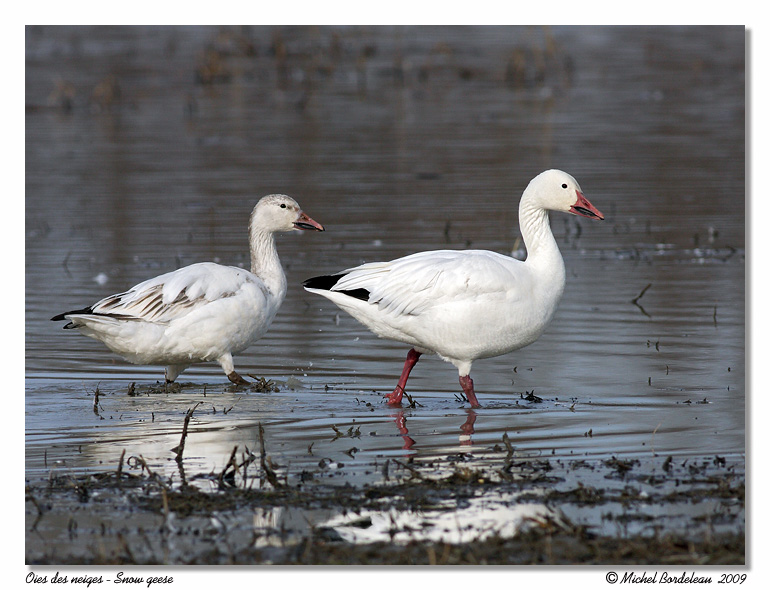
pixel 132 515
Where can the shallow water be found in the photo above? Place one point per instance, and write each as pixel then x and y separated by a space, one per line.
pixel 146 150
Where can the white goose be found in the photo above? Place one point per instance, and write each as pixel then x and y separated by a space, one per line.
pixel 202 312
pixel 465 305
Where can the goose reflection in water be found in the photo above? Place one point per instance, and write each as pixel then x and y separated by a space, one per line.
pixel 466 429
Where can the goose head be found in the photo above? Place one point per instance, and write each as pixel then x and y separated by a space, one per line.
pixel 275 213
pixel 558 191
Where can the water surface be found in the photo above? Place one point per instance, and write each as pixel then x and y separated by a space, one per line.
pixel 147 148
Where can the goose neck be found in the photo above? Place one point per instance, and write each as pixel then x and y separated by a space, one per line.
pixel 265 262
pixel 535 227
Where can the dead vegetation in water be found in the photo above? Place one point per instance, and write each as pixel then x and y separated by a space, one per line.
pixel 577 545
pixel 251 482
pixel 179 449
pixel 134 389
pixel 262 385
pixel 533 548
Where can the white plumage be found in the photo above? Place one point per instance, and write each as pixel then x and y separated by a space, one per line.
pixel 202 312
pixel 465 305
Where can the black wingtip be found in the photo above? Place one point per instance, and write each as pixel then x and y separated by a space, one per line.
pixel 63 316
pixel 326 282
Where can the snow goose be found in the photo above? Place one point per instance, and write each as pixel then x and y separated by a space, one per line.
pixel 202 312
pixel 465 305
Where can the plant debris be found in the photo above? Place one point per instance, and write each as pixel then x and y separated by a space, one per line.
pixel 223 525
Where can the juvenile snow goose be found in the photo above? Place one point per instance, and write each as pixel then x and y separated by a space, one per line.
pixel 202 312
pixel 465 305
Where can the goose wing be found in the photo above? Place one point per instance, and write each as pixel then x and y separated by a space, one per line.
pixel 172 295
pixel 416 283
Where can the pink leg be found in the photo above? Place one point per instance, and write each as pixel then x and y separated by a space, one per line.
pixel 467 384
pixel 394 399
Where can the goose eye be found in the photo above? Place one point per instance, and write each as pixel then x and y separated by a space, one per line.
pixel 564 185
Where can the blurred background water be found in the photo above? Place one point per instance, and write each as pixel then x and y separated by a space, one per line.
pixel 147 147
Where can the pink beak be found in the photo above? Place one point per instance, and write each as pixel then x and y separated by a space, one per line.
pixel 304 222
pixel 583 207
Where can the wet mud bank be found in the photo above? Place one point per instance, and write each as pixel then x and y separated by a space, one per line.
pixel 452 510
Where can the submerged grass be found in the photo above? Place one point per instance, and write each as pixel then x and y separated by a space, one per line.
pixel 118 517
